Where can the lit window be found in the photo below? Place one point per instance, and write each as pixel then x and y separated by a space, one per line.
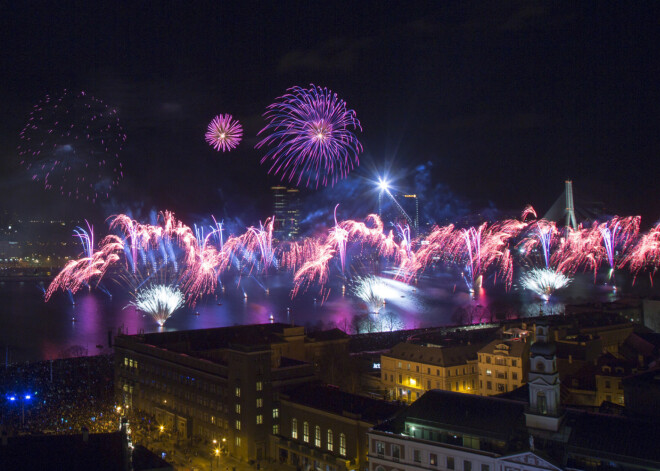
pixel 317 436
pixel 260 386
pixel 238 408
pixel 238 425
pixel 489 372
pixel 305 432
pixel 342 444
pixel 294 428
pixel 238 391
pixel 433 459
pixel 276 413
pixel 276 429
pixel 330 440
pixel 238 441
pixel 260 402
pixel 260 419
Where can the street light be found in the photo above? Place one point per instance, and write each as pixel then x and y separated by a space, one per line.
pixel 22 398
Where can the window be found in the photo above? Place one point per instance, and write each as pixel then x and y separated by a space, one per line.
pixel 276 413
pixel 305 432
pixel 487 359
pixel 276 429
pixel 448 372
pixel 317 436
pixel 433 459
pixel 238 441
pixel 330 440
pixel 260 419
pixel 417 456
pixel 514 375
pixel 540 366
pixel 408 365
pixel 500 387
pixel 513 363
pixel 396 452
pixel 541 403
pixel 417 368
pixel 380 448
pixel 467 465
pixel 238 391
pixel 485 467
pixel 607 384
pixel 294 428
pixel 400 379
pixel 489 385
pixel 238 425
pixel 428 371
pixel 488 372
pixel 428 384
pixel 260 386
pixel 342 444
pixel 437 372
pixel 399 364
pixel 450 462
pixel 238 408
pixel 260 402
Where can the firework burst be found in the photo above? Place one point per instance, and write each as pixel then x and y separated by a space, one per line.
pixel 371 290
pixel 544 281
pixel 311 137
pixel 71 144
pixel 224 133
pixel 159 301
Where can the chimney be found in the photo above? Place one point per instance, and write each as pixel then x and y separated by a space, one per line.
pixel 85 434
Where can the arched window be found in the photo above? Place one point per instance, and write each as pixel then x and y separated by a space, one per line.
pixel 317 436
pixel 331 440
pixel 541 403
pixel 380 468
pixel 342 444
pixel 306 432
pixel 294 428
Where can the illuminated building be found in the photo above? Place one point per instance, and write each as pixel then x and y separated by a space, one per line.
pixel 503 366
pixel 217 383
pixel 445 430
pixel 409 370
pixel 286 210
pixel 324 428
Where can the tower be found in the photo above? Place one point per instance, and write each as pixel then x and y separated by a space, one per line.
pixel 545 412
pixel 570 208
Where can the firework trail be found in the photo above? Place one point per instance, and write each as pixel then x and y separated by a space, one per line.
pixel 261 240
pixel 580 248
pixel 544 281
pixel 87 270
pixel 224 133
pixel 159 301
pixel 86 238
pixel 645 253
pixel 542 235
pixel 310 138
pixel 71 144
pixel 618 233
pixel 314 270
pixel 528 211
pixel 338 237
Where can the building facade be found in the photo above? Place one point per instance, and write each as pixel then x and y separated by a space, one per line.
pixel 409 370
pixel 214 383
pixel 503 366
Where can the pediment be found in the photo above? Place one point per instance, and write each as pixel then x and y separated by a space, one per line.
pixel 528 460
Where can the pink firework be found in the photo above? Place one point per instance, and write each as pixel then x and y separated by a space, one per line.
pixel 224 133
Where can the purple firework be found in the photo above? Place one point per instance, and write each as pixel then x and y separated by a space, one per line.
pixel 310 137
pixel 71 144
pixel 224 133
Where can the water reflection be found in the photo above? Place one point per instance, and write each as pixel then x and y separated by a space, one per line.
pixel 33 329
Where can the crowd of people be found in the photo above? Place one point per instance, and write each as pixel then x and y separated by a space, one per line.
pixel 59 396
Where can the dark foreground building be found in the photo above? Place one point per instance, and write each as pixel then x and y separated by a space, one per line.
pixel 77 452
pixel 222 383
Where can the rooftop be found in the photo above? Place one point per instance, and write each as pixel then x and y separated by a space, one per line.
pixel 438 356
pixel 335 401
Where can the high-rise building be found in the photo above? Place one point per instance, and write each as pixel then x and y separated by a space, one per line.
pixel 286 210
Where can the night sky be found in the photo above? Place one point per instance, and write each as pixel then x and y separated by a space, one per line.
pixel 471 104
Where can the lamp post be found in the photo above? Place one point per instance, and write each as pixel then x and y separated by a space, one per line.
pixel 22 398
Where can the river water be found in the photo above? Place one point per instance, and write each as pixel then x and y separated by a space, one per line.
pixel 31 329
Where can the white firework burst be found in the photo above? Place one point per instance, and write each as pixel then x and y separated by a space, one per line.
pixel 371 290
pixel 159 301
pixel 544 281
